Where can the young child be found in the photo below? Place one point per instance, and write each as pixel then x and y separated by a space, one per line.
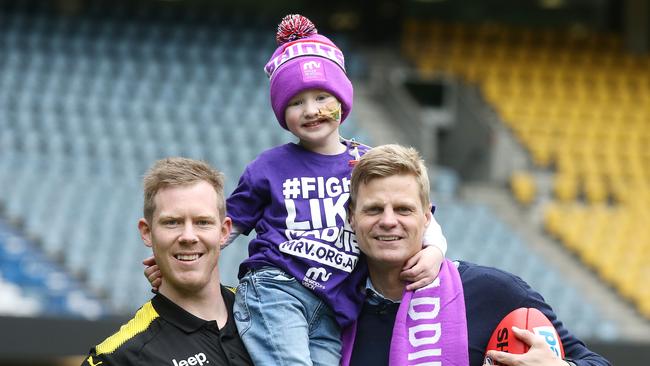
pixel 302 282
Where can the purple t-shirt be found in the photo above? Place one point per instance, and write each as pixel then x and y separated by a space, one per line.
pixel 296 200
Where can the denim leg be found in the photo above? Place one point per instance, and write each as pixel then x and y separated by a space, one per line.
pixel 271 319
pixel 283 323
pixel 325 337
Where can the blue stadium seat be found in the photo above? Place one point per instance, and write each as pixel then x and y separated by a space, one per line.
pixel 14 302
pixel 39 279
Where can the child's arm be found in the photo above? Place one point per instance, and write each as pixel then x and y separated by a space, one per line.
pixel 234 233
pixel 433 236
pixel 421 269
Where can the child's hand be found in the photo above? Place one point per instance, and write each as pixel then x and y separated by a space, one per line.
pixel 422 268
pixel 152 273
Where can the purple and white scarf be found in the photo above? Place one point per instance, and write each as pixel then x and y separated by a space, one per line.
pixel 430 327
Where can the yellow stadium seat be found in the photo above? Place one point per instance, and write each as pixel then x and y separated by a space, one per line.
pixel 552 219
pixel 610 269
pixel 523 187
pixel 565 187
pixel 564 160
pixel 574 229
pixel 627 284
pixel 594 189
pixel 644 306
pixel 591 246
pixel 541 150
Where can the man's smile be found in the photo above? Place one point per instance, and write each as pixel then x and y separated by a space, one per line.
pixel 188 257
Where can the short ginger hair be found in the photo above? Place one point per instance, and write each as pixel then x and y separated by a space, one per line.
pixel 386 161
pixel 177 171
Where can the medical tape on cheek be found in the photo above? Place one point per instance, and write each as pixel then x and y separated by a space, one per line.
pixel 331 110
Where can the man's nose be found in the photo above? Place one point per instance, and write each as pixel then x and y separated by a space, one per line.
pixel 388 218
pixel 188 236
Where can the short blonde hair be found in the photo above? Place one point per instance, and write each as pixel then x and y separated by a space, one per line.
pixel 176 171
pixel 386 161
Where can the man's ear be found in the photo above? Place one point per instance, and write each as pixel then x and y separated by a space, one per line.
pixel 351 218
pixel 226 228
pixel 428 214
pixel 145 232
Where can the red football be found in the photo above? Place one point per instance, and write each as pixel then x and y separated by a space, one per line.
pixel 503 339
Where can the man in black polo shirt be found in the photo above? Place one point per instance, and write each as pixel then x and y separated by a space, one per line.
pixel 189 321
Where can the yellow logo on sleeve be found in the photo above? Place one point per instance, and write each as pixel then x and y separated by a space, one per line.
pixel 90 361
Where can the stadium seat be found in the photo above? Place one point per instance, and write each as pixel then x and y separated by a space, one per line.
pixel 565 187
pixel 30 282
pixel 523 187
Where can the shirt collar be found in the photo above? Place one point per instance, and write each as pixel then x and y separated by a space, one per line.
pixel 374 297
pixel 178 316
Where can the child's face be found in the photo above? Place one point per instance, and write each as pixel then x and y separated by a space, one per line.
pixel 314 117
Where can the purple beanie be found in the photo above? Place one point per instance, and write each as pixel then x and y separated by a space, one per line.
pixel 305 60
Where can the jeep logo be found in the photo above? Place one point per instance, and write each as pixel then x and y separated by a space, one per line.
pixel 198 359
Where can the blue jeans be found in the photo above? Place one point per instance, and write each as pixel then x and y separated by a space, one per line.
pixel 283 323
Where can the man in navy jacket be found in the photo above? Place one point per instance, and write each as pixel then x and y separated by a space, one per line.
pixel 389 209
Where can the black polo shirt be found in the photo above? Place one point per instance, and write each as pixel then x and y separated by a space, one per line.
pixel 163 333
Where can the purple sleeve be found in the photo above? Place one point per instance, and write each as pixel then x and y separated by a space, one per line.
pixel 246 204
